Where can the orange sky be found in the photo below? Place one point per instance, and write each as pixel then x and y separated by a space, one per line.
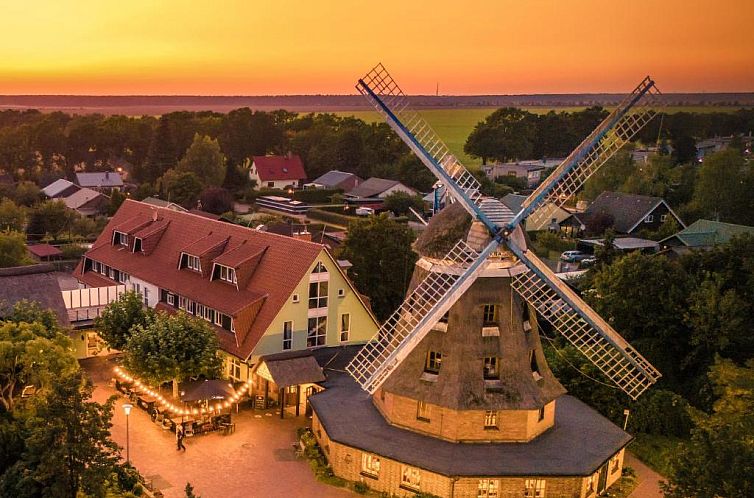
pixel 254 47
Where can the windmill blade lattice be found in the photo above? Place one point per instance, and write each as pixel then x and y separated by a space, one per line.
pixel 584 328
pixel 418 313
pixel 615 131
pixel 390 101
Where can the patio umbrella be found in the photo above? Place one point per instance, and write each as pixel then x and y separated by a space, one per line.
pixel 202 390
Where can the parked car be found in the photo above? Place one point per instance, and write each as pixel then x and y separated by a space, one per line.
pixel 574 256
pixel 364 211
pixel 587 262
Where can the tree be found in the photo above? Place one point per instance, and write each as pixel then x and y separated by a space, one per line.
pixel 719 458
pixel 205 159
pixel 116 199
pixel 119 318
pixel 723 189
pixel 27 194
pixel 400 202
pixel 31 312
pixel 48 218
pixel 181 187
pixel 31 354
pixel 216 200
pixel 380 250
pixel 173 347
pixel 67 446
pixel 161 156
pixel 504 135
pixel 13 250
pixel 12 217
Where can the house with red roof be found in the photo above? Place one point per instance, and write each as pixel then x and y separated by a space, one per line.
pixel 277 171
pixel 263 293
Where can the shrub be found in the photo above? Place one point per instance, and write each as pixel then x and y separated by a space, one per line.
pixel 552 242
pixel 661 412
pixel 334 218
pixel 72 251
pixel 360 487
pixel 315 196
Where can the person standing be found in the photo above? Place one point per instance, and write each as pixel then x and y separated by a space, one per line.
pixel 179 435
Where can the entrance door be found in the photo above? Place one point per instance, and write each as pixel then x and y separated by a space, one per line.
pixel 602 483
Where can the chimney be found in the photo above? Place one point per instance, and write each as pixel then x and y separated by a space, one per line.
pixel 303 235
pixel 154 215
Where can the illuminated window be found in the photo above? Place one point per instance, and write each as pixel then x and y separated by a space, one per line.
pixel 534 488
pixel 434 359
pixel 370 465
pixel 235 369
pixel 490 419
pixel 488 488
pixel 422 411
pixel 491 371
pixel 317 295
pixel 316 331
pixel 287 335
pixel 410 477
pixel 345 327
pixel 489 315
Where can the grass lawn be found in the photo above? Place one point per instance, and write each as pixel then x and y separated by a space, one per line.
pixel 655 451
pixel 624 487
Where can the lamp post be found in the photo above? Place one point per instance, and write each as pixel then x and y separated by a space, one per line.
pixel 127 410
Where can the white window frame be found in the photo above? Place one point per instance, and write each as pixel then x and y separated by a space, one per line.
pixel 218 319
pixel 319 301
pixel 319 336
pixel 171 299
pixel 227 274
pixel 233 325
pixel 663 218
pixel 346 331
pixel 490 419
pixel 534 488
pixel 207 314
pixel 370 464
pixel 183 303
pixel 649 218
pixel 410 478
pixel 287 335
pixel 111 273
pixel 341 292
pixel 488 488
pixel 295 298
pixel 122 238
pixel 234 368
pixel 123 277
pixel 193 263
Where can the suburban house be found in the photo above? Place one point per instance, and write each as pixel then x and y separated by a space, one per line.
pixel 549 217
pixel 60 189
pixel 87 202
pixel 104 182
pixel 279 172
pixel 263 293
pixel 373 191
pixel 704 234
pixel 528 171
pixel 627 213
pixel 336 180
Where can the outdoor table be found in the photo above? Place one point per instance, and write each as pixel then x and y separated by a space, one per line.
pixel 146 402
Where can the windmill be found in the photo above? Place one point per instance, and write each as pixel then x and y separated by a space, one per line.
pixel 496 232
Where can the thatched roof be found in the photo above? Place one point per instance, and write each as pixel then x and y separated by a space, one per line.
pixel 33 283
pixel 443 231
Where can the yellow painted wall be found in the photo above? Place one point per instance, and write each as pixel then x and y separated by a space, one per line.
pixel 363 326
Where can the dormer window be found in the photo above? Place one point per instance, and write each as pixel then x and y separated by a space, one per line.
pixel 120 239
pixel 227 274
pixel 193 263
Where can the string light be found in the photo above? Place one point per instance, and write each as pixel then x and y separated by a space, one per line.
pixel 166 404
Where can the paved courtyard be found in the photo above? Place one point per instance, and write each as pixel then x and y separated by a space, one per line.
pixel 256 460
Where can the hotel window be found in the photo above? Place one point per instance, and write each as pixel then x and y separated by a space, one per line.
pixel 182 303
pixel 316 332
pixel 370 465
pixel 489 315
pixel 102 269
pixel 235 369
pixel 193 263
pixel 199 309
pixel 111 273
pixel 287 335
pixel 345 327
pixel 434 360
pixel 491 371
pixel 218 319
pixel 488 488
pixel 410 477
pixel 122 277
pixel 534 488
pixel 317 295
pixel 171 299
pixel 422 411
pixel 146 296
pixel 233 325
pixel 121 239
pixel 541 414
pixel 227 274
pixel 490 419
pixel 208 314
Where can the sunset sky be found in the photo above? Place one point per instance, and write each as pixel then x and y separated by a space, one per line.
pixel 254 47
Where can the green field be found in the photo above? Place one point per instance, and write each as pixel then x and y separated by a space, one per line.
pixel 454 125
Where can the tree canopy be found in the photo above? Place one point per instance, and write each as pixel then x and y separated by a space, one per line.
pixel 13 250
pixel 117 321
pixel 205 159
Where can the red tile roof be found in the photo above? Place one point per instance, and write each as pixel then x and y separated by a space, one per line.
pixel 282 266
pixel 272 168
pixel 44 250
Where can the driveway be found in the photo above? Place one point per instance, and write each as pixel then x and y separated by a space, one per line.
pixel 649 480
pixel 256 460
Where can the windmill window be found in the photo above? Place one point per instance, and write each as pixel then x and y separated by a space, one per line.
pixel 491 371
pixel 434 360
pixel 534 366
pixel 490 420
pixel 422 411
pixel 534 488
pixel 541 414
pixel 489 315
pixel 488 488
pixel 287 335
pixel 444 318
